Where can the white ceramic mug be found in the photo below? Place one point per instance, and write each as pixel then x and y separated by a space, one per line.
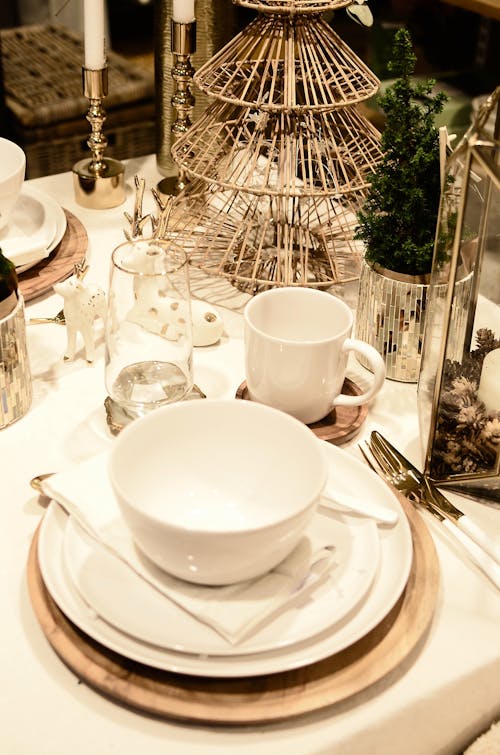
pixel 12 170
pixel 297 342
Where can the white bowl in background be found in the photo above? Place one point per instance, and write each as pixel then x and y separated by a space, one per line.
pixel 12 170
pixel 217 491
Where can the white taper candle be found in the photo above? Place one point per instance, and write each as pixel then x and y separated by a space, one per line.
pixel 489 384
pixel 183 11
pixel 94 34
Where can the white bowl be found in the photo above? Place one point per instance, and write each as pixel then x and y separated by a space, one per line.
pixel 12 170
pixel 217 491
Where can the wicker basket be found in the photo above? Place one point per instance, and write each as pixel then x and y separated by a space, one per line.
pixel 43 90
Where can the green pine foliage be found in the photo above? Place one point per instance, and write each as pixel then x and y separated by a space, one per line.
pixel 398 219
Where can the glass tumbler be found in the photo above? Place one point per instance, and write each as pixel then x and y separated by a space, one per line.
pixel 149 343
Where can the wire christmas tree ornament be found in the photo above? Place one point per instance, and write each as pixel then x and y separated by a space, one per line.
pixel 279 163
pixel 291 7
pixel 287 63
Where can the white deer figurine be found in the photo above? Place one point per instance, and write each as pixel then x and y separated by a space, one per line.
pixel 82 306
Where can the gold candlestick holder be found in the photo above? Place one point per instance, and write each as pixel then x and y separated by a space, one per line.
pixel 183 45
pixel 99 181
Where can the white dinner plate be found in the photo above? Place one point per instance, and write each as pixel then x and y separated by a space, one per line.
pixel 127 601
pixel 390 580
pixel 36 226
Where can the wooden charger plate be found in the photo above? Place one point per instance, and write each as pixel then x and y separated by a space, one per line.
pixel 339 425
pixel 40 278
pixel 259 699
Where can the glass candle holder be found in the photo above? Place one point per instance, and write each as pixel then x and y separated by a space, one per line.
pixel 149 343
pixel 459 383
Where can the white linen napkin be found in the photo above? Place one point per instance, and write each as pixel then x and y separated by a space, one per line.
pixel 234 611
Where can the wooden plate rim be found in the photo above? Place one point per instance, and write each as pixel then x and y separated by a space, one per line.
pixel 40 278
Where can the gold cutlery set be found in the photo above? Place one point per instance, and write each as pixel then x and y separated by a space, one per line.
pixel 397 471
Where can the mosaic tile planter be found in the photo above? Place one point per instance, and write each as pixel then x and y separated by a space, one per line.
pixel 391 317
pixel 15 374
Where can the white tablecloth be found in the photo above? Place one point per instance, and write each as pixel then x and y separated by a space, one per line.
pixel 443 696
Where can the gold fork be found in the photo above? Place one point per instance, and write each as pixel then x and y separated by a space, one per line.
pixel 58 319
pixel 399 480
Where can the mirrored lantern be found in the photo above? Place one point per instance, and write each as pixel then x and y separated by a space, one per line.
pixel 459 384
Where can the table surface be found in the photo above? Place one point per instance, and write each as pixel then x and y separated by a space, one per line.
pixel 444 695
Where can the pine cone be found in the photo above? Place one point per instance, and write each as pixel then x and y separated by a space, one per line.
pixel 485 340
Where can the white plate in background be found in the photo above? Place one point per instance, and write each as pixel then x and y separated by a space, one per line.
pixel 36 226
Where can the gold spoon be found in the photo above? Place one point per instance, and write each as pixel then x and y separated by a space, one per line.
pixel 36 482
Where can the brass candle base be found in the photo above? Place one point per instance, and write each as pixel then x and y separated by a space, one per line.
pixel 172 185
pixel 99 191
pixel 99 181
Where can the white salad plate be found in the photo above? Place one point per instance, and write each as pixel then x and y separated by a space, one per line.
pixel 36 227
pixel 115 591
pixel 390 579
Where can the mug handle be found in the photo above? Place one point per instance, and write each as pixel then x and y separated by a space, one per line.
pixel 377 365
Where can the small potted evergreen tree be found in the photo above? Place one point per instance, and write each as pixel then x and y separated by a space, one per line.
pixel 398 219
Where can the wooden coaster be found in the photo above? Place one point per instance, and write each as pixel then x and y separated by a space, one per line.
pixel 339 425
pixel 40 278
pixel 253 699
